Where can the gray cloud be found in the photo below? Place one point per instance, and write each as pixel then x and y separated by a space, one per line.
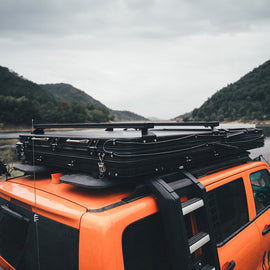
pixel 155 57
pixel 147 19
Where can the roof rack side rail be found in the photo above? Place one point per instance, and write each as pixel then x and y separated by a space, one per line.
pixel 39 128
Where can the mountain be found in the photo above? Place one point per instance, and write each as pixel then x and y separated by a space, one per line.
pixel 11 84
pixel 22 100
pixel 247 99
pixel 70 93
pixel 127 116
pixel 153 118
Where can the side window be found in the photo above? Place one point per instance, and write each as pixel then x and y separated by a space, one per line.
pixel 260 182
pixel 144 245
pixel 229 209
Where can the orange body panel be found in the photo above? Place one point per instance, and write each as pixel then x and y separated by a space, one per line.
pixel 48 205
pixel 244 249
pixel 101 234
pixel 5 265
pixel 219 176
pixel 262 222
pixel 83 197
pixel 100 246
pixel 247 248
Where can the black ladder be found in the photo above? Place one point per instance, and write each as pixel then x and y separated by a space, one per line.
pixel 191 244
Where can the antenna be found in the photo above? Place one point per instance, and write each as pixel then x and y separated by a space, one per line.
pixel 35 198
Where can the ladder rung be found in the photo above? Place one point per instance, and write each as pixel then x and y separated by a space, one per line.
pixel 197 241
pixel 208 267
pixel 192 205
pixel 180 184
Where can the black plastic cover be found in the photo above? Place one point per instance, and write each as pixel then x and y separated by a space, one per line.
pixel 90 182
pixel 29 169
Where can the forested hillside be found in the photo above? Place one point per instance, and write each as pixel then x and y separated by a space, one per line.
pixel 246 100
pixel 22 100
pixel 70 93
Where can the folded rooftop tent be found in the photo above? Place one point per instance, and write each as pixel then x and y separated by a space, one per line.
pixel 129 150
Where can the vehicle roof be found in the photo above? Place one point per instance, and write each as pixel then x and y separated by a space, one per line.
pixel 97 199
pixel 81 196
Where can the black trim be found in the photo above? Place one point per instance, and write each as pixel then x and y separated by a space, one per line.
pixel 106 208
pixel 139 192
pixel 14 177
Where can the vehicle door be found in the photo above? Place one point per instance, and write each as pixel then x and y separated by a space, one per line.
pixel 260 183
pixel 236 235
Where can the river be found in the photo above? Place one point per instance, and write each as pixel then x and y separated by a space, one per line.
pixel 7 135
pixel 264 151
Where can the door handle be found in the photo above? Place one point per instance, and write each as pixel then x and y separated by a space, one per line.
pixel 229 265
pixel 266 230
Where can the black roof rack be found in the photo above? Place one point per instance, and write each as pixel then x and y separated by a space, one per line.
pixel 144 126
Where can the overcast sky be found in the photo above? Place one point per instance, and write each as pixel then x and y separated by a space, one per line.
pixel 154 57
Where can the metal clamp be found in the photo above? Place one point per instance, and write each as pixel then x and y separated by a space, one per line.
pixel 54 144
pixel 71 164
pixel 92 146
pixel 101 165
pixel 20 151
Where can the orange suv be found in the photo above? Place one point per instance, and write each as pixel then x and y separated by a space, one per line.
pixel 202 217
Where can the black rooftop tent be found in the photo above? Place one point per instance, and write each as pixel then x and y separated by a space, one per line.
pixel 120 151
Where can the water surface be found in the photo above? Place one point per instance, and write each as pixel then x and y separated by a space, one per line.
pixel 264 151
